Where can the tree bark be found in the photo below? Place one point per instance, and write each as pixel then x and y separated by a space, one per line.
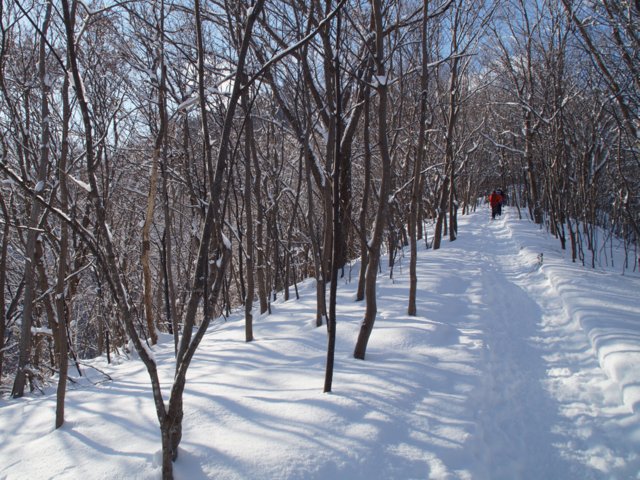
pixel 34 220
pixel 62 309
pixel 250 240
pixel 417 166
pixel 3 277
pixel 151 197
pixel 337 244
pixel 385 185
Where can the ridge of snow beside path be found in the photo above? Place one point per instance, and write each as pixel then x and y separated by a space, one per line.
pixel 511 370
pixel 591 334
pixel 598 423
pixel 605 304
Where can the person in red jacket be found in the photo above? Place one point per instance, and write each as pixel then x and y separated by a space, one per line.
pixel 495 200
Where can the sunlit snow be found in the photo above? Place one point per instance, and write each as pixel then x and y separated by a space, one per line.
pixel 513 369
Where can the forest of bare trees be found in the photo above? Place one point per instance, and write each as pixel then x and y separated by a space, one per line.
pixel 164 162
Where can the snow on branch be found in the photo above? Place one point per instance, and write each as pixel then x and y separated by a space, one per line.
pixel 295 46
pixel 85 186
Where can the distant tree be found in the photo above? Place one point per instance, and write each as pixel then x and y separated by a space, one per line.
pixel 467 23
pixel 609 32
pixel 518 59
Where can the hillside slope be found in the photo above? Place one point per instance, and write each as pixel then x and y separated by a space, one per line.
pixel 513 369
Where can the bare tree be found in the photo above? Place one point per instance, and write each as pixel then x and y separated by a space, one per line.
pixel 4 248
pixel 381 86
pixel 250 238
pixel 416 189
pixel 159 65
pixel 467 23
pixel 35 220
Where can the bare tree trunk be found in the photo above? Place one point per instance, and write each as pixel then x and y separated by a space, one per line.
pixel 453 205
pixel 62 308
pixel 261 262
pixel 167 259
pixel 315 248
pixel 153 187
pixel 364 207
pixel 250 241
pixel 290 272
pixel 535 206
pixel 448 185
pixel 385 185
pixel 442 211
pixel 34 220
pixel 337 245
pixel 530 127
pixel 3 277
pixel 417 167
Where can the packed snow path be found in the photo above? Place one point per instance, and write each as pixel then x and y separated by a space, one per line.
pixel 516 367
pixel 514 414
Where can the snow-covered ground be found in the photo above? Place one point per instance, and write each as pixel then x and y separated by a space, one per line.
pixel 513 369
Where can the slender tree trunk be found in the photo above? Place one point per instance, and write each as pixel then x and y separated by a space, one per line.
pixel 62 307
pixel 250 247
pixel 442 211
pixel 535 206
pixel 290 273
pixel 453 205
pixel 312 226
pixel 167 260
pixel 337 246
pixel 34 220
pixel 261 262
pixel 385 185
pixel 366 188
pixel 6 230
pixel 448 184
pixel 417 166
pixel 151 198
pixel 172 314
pixel 529 129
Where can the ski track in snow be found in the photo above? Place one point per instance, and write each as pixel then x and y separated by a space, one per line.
pixel 506 373
pixel 538 417
pixel 515 414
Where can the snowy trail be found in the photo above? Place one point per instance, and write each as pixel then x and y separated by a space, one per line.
pixel 527 415
pixel 492 326
pixel 515 414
